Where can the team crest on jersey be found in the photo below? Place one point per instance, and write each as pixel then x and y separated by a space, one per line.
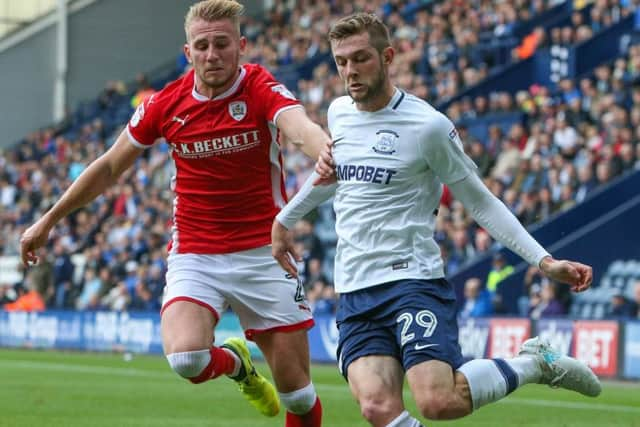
pixel 138 115
pixel 238 110
pixel 387 140
pixel 282 90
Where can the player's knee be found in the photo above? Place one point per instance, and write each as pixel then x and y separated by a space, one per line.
pixel 377 409
pixel 189 364
pixel 433 406
pixel 301 401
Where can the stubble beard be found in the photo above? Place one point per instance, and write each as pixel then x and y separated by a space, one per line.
pixel 372 90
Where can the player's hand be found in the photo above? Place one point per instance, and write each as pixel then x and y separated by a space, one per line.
pixel 32 239
pixel 578 276
pixel 325 166
pixel 282 248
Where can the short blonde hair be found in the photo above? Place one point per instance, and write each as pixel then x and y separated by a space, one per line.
pixel 214 10
pixel 359 23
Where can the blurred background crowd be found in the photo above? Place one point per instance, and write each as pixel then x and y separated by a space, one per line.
pixel 570 139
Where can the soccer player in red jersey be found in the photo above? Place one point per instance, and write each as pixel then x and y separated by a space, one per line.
pixel 223 121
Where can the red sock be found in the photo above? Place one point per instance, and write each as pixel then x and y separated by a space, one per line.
pixel 221 363
pixel 313 418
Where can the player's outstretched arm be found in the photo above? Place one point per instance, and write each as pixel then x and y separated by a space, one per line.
pixel 282 248
pixel 96 178
pixel 309 196
pixel 494 216
pixel 298 128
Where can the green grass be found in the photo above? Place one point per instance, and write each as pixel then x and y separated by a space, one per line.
pixel 58 389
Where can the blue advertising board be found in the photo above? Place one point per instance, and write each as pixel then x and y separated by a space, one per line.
pixel 474 338
pixel 323 339
pixel 97 331
pixel 632 350
pixel 559 332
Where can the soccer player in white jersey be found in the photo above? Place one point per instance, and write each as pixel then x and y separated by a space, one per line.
pixel 223 121
pixel 396 316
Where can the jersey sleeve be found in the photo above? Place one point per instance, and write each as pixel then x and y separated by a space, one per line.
pixel 273 96
pixel 331 113
pixel 144 126
pixel 443 150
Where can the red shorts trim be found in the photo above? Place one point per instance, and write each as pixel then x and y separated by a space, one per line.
pixel 192 300
pixel 307 324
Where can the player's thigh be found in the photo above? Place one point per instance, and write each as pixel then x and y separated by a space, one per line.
pixel 265 298
pixel 376 382
pixel 287 354
pixel 192 301
pixel 187 326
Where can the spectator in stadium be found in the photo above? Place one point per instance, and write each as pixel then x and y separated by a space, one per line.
pixel 30 298
pixel 117 298
pixel 548 304
pixel 530 44
pixel 477 300
pixel 636 297
pixel 500 270
pixel 143 92
pixel 621 307
pixel 392 153
pixel 89 297
pixel 228 187
pixel 63 270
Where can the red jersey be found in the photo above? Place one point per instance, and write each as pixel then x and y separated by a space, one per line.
pixel 229 183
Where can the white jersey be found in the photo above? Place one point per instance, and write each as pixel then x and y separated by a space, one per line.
pixel 390 166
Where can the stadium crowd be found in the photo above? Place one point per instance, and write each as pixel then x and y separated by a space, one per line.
pixel 565 143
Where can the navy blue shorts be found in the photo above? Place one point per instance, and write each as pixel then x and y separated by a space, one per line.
pixel 411 320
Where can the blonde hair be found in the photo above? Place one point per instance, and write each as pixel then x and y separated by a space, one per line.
pixel 359 23
pixel 214 10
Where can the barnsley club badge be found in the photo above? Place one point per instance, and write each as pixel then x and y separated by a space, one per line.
pixel 387 140
pixel 238 110
pixel 138 115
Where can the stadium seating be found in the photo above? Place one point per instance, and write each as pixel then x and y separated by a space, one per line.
pixel 439 59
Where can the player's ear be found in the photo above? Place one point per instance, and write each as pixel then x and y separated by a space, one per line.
pixel 243 45
pixel 387 55
pixel 187 52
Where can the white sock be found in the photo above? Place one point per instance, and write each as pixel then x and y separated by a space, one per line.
pixel 492 379
pixel 405 420
pixel 301 401
pixel 527 368
pixel 189 364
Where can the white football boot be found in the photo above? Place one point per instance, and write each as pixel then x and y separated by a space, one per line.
pixel 559 370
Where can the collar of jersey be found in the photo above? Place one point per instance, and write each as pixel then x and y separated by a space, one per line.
pixel 225 94
pixel 397 94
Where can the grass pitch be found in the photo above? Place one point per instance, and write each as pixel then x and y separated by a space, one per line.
pixel 56 389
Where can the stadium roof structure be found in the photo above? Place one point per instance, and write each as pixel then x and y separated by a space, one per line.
pixel 16 14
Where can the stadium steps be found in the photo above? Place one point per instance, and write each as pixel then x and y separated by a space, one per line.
pixel 598 231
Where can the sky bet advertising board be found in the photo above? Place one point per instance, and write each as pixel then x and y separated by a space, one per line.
pixel 559 332
pixel 506 336
pixel 596 344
